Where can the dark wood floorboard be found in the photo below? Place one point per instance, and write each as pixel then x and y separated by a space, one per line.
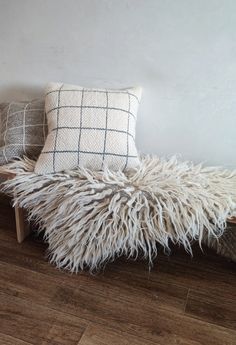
pixel 181 301
pixel 9 340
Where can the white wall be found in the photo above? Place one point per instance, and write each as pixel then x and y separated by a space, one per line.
pixel 183 52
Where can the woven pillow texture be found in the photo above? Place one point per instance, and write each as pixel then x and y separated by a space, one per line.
pixel 90 128
pixel 23 129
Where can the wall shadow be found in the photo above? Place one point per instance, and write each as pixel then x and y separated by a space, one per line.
pixel 20 92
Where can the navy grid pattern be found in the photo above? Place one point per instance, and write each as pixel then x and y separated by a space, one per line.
pixel 127 156
pixel 89 107
pixel 56 136
pixel 81 123
pixel 62 111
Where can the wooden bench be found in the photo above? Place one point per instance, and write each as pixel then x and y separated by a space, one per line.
pixel 23 227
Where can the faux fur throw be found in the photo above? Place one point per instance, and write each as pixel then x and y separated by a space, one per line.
pixel 92 217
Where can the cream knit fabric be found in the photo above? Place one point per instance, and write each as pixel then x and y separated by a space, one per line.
pixel 90 128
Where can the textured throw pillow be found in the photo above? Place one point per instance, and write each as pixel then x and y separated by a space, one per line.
pixel 90 128
pixel 22 129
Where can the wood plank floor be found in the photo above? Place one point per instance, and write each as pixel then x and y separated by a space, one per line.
pixel 181 301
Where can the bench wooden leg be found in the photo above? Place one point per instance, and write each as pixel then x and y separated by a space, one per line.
pixel 22 226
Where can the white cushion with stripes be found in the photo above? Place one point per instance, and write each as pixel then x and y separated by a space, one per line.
pixel 90 128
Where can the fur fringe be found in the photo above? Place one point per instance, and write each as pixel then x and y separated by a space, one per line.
pixel 92 217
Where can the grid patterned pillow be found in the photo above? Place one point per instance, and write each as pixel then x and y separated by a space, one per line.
pixel 23 129
pixel 89 128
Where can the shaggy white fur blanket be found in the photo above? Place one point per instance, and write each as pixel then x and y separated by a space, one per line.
pixel 92 217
